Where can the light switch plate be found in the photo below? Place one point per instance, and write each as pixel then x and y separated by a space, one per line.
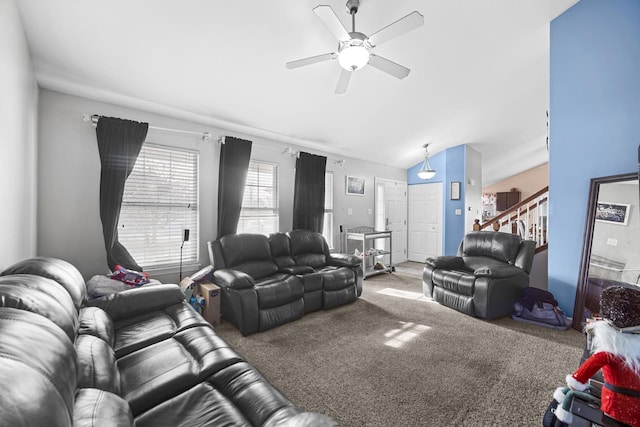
pixel 458 211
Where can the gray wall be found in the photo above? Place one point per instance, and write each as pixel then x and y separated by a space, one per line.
pixel 18 118
pixel 69 174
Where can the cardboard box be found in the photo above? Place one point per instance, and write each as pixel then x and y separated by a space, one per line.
pixel 211 295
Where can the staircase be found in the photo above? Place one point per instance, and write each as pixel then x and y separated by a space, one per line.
pixel 528 219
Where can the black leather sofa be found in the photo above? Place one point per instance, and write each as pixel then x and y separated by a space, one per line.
pixel 487 276
pixel 140 357
pixel 268 281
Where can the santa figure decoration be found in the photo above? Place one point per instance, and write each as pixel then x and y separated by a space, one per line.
pixel 615 350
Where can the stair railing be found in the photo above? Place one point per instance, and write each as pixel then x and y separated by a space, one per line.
pixel 528 218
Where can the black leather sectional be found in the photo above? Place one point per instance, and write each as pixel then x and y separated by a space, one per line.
pixel 268 281
pixel 140 357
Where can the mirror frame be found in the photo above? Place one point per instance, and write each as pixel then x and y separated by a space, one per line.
pixel 581 290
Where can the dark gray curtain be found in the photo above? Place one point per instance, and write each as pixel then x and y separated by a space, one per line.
pixel 119 143
pixel 308 196
pixel 234 163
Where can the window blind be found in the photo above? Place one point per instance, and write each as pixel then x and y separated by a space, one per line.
pixel 259 213
pixel 161 200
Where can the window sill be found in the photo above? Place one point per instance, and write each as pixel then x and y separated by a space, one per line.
pixel 173 269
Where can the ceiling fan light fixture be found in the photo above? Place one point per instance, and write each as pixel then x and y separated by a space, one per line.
pixel 353 57
pixel 354 54
pixel 426 171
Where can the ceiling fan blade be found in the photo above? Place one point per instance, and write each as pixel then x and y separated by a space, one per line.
pixel 389 67
pixel 330 19
pixel 398 28
pixel 311 60
pixel 343 81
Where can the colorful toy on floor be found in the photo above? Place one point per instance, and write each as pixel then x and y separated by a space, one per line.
pixel 615 350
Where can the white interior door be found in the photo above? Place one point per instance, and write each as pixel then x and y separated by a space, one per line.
pixel 425 221
pixel 391 214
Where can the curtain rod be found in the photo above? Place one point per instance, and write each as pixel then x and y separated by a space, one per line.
pixel 296 153
pixel 206 136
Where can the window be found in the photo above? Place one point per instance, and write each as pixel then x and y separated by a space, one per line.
pixel 327 228
pixel 161 200
pixel 259 213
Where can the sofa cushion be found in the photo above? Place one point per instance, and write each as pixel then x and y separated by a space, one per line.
pixel 334 278
pixel 278 290
pixel 156 373
pixel 501 246
pixel 42 296
pixel 205 346
pixel 97 408
pixel 96 322
pixel 280 251
pixel 269 318
pixel 141 331
pixel 96 364
pixel 38 370
pixel 249 391
pixel 249 253
pixel 308 248
pixel 457 282
pixel 188 408
pixel 473 263
pixel 57 270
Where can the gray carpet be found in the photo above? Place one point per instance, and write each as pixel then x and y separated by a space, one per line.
pixel 390 360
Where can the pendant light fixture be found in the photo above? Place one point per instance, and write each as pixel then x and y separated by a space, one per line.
pixel 426 171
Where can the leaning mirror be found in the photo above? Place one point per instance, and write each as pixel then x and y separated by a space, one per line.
pixel 611 251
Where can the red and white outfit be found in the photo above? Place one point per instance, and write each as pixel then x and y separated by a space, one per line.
pixel 616 405
pixel 618 355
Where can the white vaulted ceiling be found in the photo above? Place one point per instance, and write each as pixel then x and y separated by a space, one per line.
pixel 479 71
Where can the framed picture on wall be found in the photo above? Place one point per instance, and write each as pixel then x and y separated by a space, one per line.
pixel 613 213
pixel 355 186
pixel 455 190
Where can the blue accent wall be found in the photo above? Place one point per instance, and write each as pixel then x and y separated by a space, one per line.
pixel 449 166
pixel 594 121
pixel 454 224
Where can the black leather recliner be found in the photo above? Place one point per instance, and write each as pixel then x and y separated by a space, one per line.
pixel 486 277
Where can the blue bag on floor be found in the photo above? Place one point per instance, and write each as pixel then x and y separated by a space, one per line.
pixel 539 307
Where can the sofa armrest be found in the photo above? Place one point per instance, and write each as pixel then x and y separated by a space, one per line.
pixel 136 301
pixel 498 271
pixel 297 269
pixel 446 263
pixel 233 279
pixel 344 260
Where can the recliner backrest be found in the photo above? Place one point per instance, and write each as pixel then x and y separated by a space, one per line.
pixel 249 253
pixel 308 248
pixel 281 250
pixel 500 246
pixel 62 272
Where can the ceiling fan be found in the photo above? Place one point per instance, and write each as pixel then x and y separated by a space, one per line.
pixel 355 48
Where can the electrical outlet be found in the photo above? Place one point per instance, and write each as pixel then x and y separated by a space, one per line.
pixel 458 211
pixel 349 211
pixel 612 242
